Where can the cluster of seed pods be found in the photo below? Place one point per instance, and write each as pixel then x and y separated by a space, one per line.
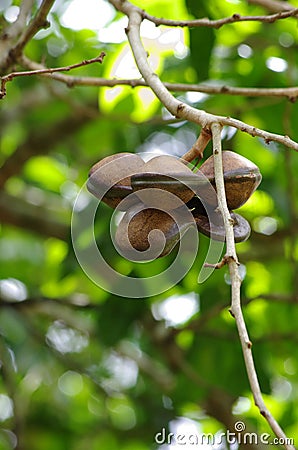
pixel 147 193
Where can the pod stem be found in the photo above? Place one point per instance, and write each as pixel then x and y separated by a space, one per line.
pixel 197 150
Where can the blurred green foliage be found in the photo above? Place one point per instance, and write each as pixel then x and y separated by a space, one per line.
pixel 82 368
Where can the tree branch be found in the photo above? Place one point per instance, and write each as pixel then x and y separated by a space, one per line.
pixel 291 92
pixel 235 309
pixel 220 22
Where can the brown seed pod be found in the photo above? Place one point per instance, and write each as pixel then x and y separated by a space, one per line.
pixel 111 177
pixel 241 228
pixel 241 176
pixel 212 225
pixel 133 231
pixel 168 174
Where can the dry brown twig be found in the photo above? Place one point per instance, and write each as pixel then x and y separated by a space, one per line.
pixel 214 124
pixel 44 71
pixel 290 92
pixel 198 147
pixel 220 22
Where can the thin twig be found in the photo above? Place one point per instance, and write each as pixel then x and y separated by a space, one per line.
pixel 231 256
pixel 198 147
pixel 205 22
pixel 220 264
pixel 13 75
pixel 288 92
pixel 235 309
pixel 266 135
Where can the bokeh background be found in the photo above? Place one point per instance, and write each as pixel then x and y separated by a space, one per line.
pixel 80 367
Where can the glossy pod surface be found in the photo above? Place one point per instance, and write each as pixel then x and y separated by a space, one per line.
pixel 164 173
pixel 133 232
pixel 241 176
pixel 211 224
pixel 181 185
pixel 109 178
pixel 241 228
